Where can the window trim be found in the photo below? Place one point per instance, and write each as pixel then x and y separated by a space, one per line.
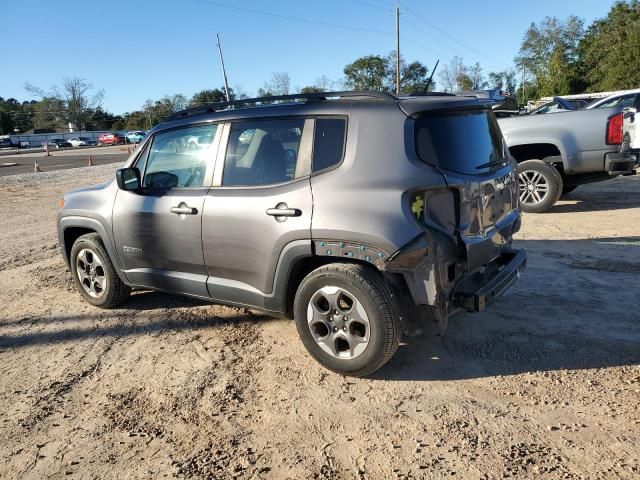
pixel 302 156
pixel 344 143
pixel 211 163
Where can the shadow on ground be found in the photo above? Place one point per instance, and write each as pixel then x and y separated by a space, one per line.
pixel 561 315
pixel 597 201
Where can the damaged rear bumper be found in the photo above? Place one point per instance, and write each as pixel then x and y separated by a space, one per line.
pixel 468 274
pixel 478 290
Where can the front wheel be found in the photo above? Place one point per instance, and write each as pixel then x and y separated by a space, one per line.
pixel 346 318
pixel 94 274
pixel 540 186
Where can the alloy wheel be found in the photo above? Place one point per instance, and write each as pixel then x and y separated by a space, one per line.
pixel 91 273
pixel 338 322
pixel 534 187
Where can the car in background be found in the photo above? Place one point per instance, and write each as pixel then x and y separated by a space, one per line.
pixel 557 105
pixel 110 139
pixel 58 143
pixel 624 100
pixel 81 141
pixel 504 104
pixel 558 153
pixel 6 142
pixel 135 136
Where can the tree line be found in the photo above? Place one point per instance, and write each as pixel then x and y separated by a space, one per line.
pixel 556 57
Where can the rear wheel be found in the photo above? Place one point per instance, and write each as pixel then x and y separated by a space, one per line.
pixel 346 318
pixel 94 274
pixel 540 186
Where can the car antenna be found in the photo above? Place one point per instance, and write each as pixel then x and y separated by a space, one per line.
pixel 224 72
pixel 426 89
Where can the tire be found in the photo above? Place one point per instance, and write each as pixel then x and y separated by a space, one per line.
pixel 568 189
pixel 371 333
pixel 540 186
pixel 88 251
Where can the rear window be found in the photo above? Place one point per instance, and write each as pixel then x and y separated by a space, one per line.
pixel 468 142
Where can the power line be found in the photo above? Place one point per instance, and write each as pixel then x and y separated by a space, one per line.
pixel 435 27
pixel 289 17
pixel 371 5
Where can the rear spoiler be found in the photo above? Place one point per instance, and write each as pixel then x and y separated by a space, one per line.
pixel 415 106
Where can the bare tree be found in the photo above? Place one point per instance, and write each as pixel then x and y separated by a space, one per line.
pixel 79 101
pixel 75 99
pixel 280 84
pixel 451 74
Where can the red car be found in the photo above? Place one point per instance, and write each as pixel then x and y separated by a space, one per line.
pixel 110 139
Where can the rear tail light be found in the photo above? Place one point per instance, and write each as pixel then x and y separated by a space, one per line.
pixel 614 129
pixel 435 207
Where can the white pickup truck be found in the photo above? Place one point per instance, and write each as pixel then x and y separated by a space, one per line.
pixel 557 153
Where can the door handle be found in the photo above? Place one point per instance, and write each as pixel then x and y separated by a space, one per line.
pixel 183 209
pixel 284 212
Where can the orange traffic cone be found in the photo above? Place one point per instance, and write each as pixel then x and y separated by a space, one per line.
pixel 46 150
pixel 36 167
pixel 90 164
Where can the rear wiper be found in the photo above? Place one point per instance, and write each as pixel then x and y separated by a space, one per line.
pixel 493 163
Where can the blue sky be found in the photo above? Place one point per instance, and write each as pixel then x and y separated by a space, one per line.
pixel 142 49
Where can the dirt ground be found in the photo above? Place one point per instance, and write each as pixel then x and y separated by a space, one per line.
pixel 545 384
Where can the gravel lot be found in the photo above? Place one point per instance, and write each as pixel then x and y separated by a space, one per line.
pixel 546 384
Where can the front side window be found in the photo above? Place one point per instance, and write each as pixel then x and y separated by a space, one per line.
pixel 328 142
pixel 179 158
pixel 262 152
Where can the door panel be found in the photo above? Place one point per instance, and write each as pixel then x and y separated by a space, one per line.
pixel 158 248
pixel 260 203
pixel 242 243
pixel 158 230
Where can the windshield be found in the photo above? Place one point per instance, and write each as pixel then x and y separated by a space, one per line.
pixel 468 142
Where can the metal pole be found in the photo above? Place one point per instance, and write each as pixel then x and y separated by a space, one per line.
pixel 397 48
pixel 524 98
pixel 224 73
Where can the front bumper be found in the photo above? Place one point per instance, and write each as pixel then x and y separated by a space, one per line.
pixel 478 290
pixel 622 163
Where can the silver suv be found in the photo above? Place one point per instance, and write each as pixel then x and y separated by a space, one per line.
pixel 350 212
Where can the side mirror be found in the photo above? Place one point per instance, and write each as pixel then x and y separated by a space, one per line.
pixel 128 179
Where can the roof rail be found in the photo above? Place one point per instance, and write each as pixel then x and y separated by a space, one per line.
pixel 247 102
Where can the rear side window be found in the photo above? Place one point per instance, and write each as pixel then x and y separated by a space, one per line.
pixel 468 142
pixel 262 152
pixel 328 142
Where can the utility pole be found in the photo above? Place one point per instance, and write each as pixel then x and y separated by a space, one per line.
pixel 224 73
pixel 524 98
pixel 397 48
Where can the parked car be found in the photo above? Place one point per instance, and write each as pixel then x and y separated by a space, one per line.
pixel 557 153
pixel 557 105
pixel 412 215
pixel 623 100
pixel 58 143
pixel 136 136
pixel 81 141
pixel 6 142
pixel 110 139
pixel 504 104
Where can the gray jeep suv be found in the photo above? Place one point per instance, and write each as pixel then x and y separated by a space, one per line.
pixel 348 211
